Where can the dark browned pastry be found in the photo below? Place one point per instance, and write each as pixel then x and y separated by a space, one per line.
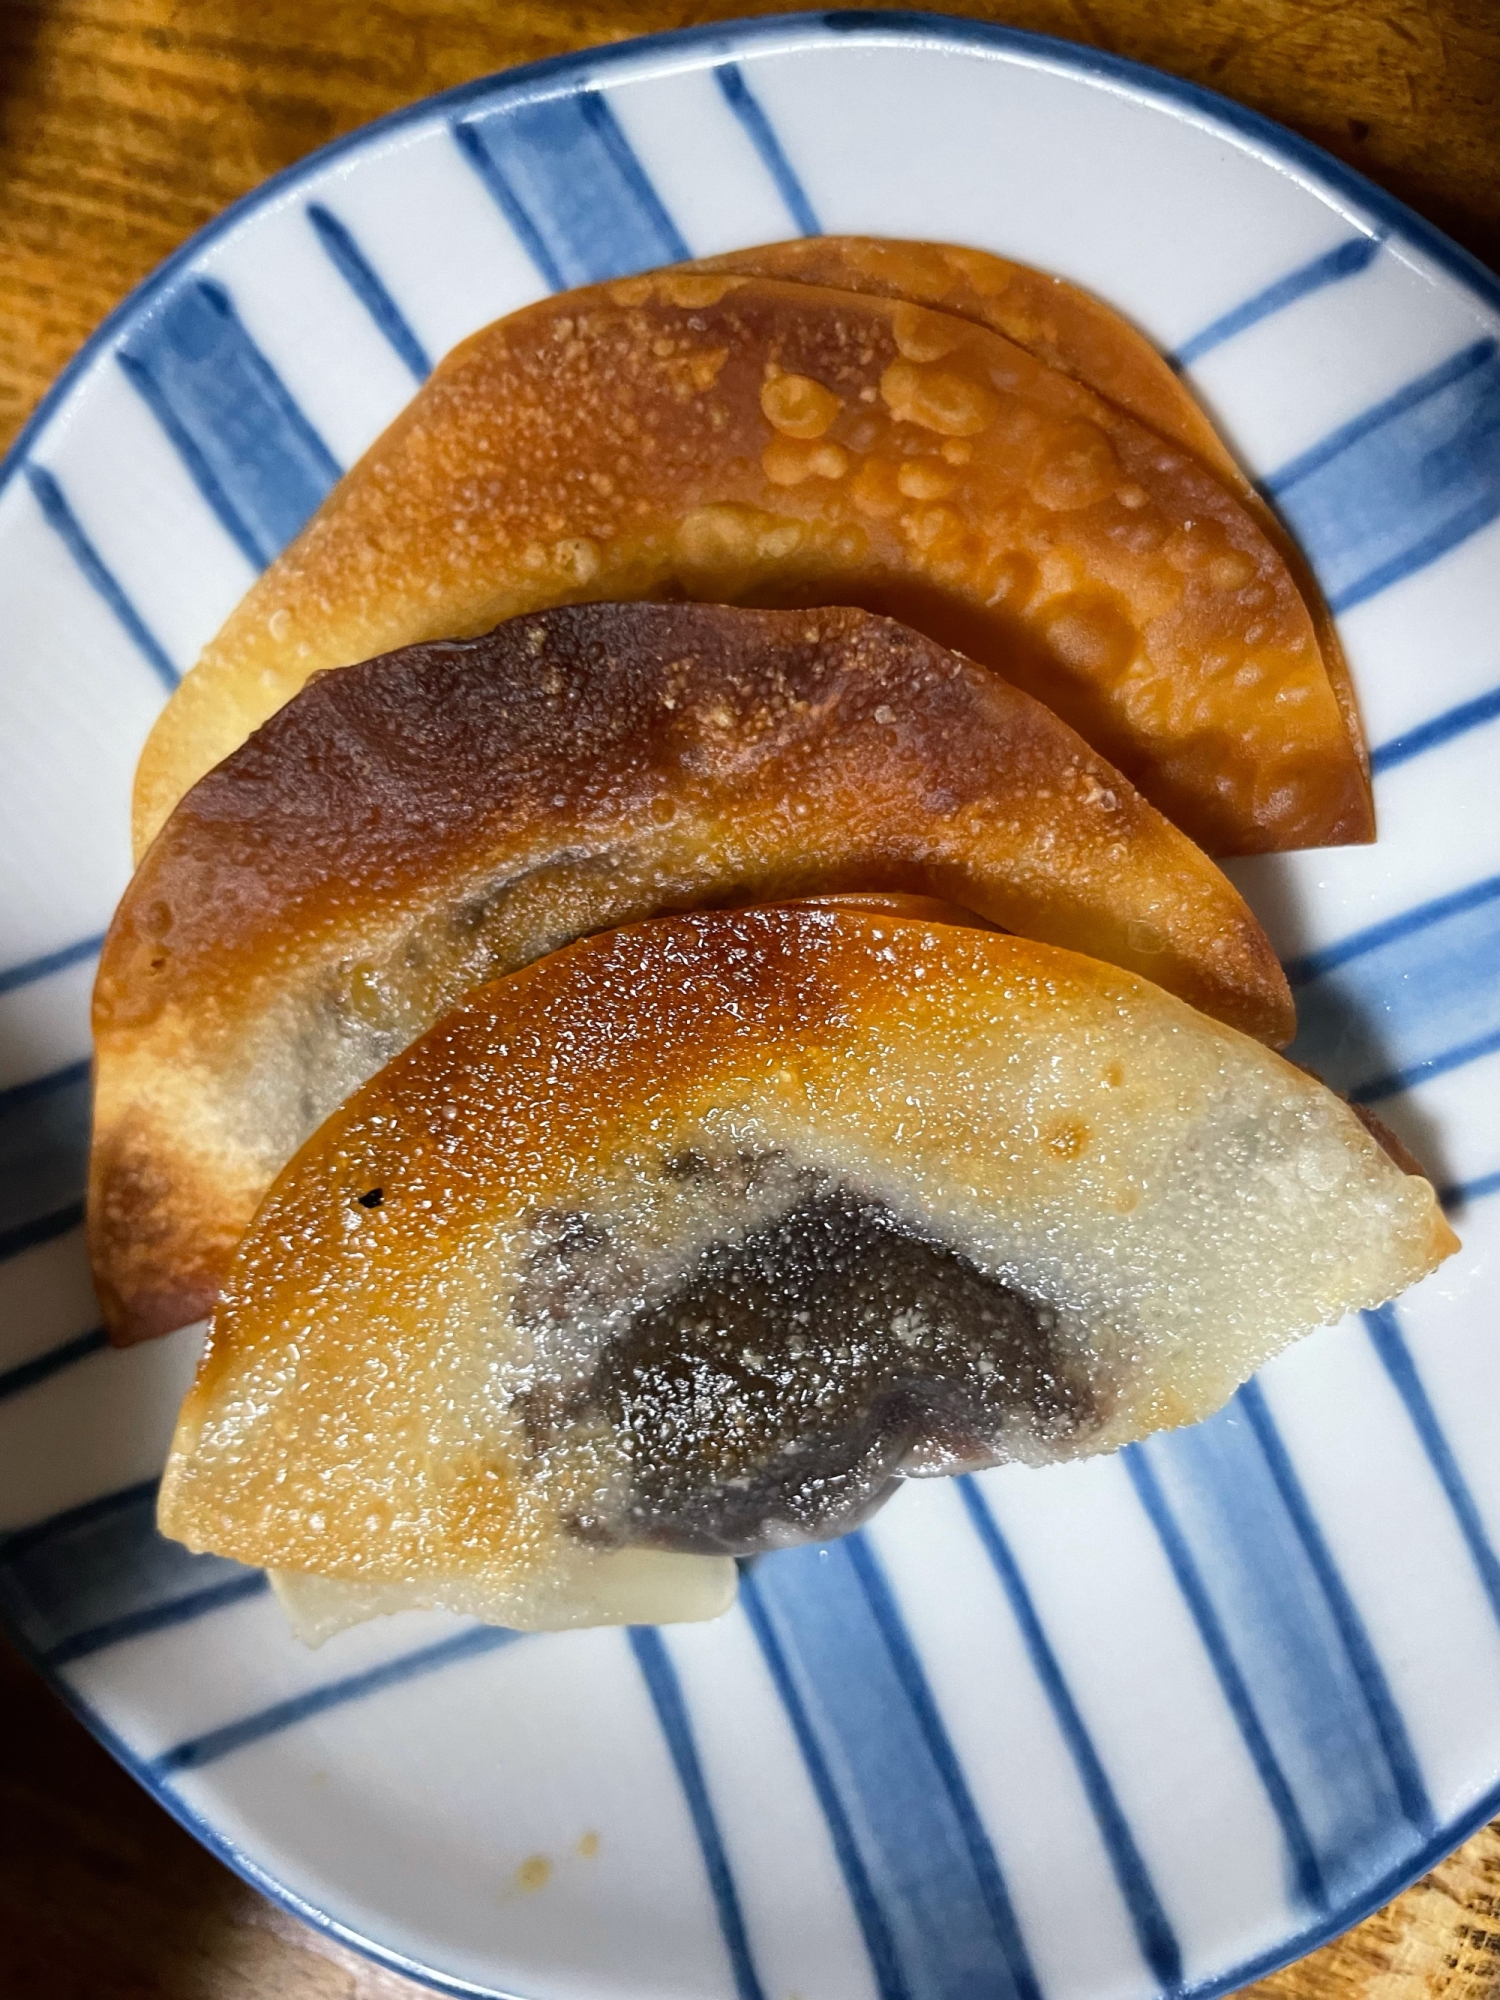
pixel 412 826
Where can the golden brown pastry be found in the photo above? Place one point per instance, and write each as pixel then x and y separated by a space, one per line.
pixel 407 828
pixel 693 1239
pixel 1059 323
pixel 757 441
pixel 1070 330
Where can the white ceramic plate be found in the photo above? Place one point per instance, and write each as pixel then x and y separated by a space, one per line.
pixel 1151 1724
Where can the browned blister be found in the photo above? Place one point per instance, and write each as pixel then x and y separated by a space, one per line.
pixel 762 442
pixel 1067 329
pixel 410 827
pixel 1070 330
pixel 1059 323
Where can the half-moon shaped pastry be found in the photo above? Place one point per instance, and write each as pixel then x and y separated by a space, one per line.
pixel 693 1239
pixel 752 441
pixel 1070 330
pixel 408 828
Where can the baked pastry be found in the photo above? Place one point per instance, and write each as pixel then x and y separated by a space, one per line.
pixel 1059 323
pixel 1070 330
pixel 693 1239
pixel 410 827
pixel 755 441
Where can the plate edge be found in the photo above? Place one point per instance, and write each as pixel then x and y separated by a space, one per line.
pixel 729 37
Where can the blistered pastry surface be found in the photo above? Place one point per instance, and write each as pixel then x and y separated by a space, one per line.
pixel 1069 329
pixel 411 827
pixel 757 441
pixel 1059 323
pixel 1174 1202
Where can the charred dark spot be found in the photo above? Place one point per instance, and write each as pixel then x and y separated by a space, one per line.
pixel 372 1198
pixel 776 1393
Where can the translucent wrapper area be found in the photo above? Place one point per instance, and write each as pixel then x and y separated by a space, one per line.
pixel 692 1239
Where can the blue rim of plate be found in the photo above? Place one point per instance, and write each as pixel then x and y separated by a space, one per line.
pixel 937 30
pixel 207 1835
pixel 1279 148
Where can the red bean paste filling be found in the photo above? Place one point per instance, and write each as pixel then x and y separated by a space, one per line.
pixel 773 1396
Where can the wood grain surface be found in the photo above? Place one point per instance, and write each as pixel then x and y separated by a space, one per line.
pixel 127 124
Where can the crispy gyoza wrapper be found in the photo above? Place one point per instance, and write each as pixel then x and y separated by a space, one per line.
pixel 405 829
pixel 756 441
pixel 1069 329
pixel 694 1239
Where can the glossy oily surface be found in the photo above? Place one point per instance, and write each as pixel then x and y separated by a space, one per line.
pixel 627 1251
pixel 750 440
pixel 1070 330
pixel 408 828
pixel 1057 322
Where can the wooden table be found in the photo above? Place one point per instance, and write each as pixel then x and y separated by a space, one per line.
pixel 124 126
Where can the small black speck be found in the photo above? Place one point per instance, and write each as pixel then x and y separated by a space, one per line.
pixel 373 1199
pixel 1359 128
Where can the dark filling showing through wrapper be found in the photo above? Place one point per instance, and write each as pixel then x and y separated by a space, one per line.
pixel 778 1391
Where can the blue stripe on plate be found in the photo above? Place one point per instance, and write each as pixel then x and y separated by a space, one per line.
pixel 1153 1930
pixel 1432 735
pixel 922 1875
pixel 39 1229
pixel 1345 261
pixel 924 1708
pixel 665 1690
pixel 44 1147
pixel 64 523
pixel 355 268
pixel 570 187
pixel 27 1374
pixel 1395 1082
pixel 762 135
pixel 1386 1337
pixel 1405 1000
pixel 1390 1726
pixel 101 1572
pixel 128 1501
pixel 37 1088
pixel 197 1751
pixel 1307 1876
pixel 879 1943
pixel 1401 485
pixel 1391 930
pixel 252 453
pixel 1459 1194
pixel 1285 1636
pixel 32 969
pixel 158 1617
